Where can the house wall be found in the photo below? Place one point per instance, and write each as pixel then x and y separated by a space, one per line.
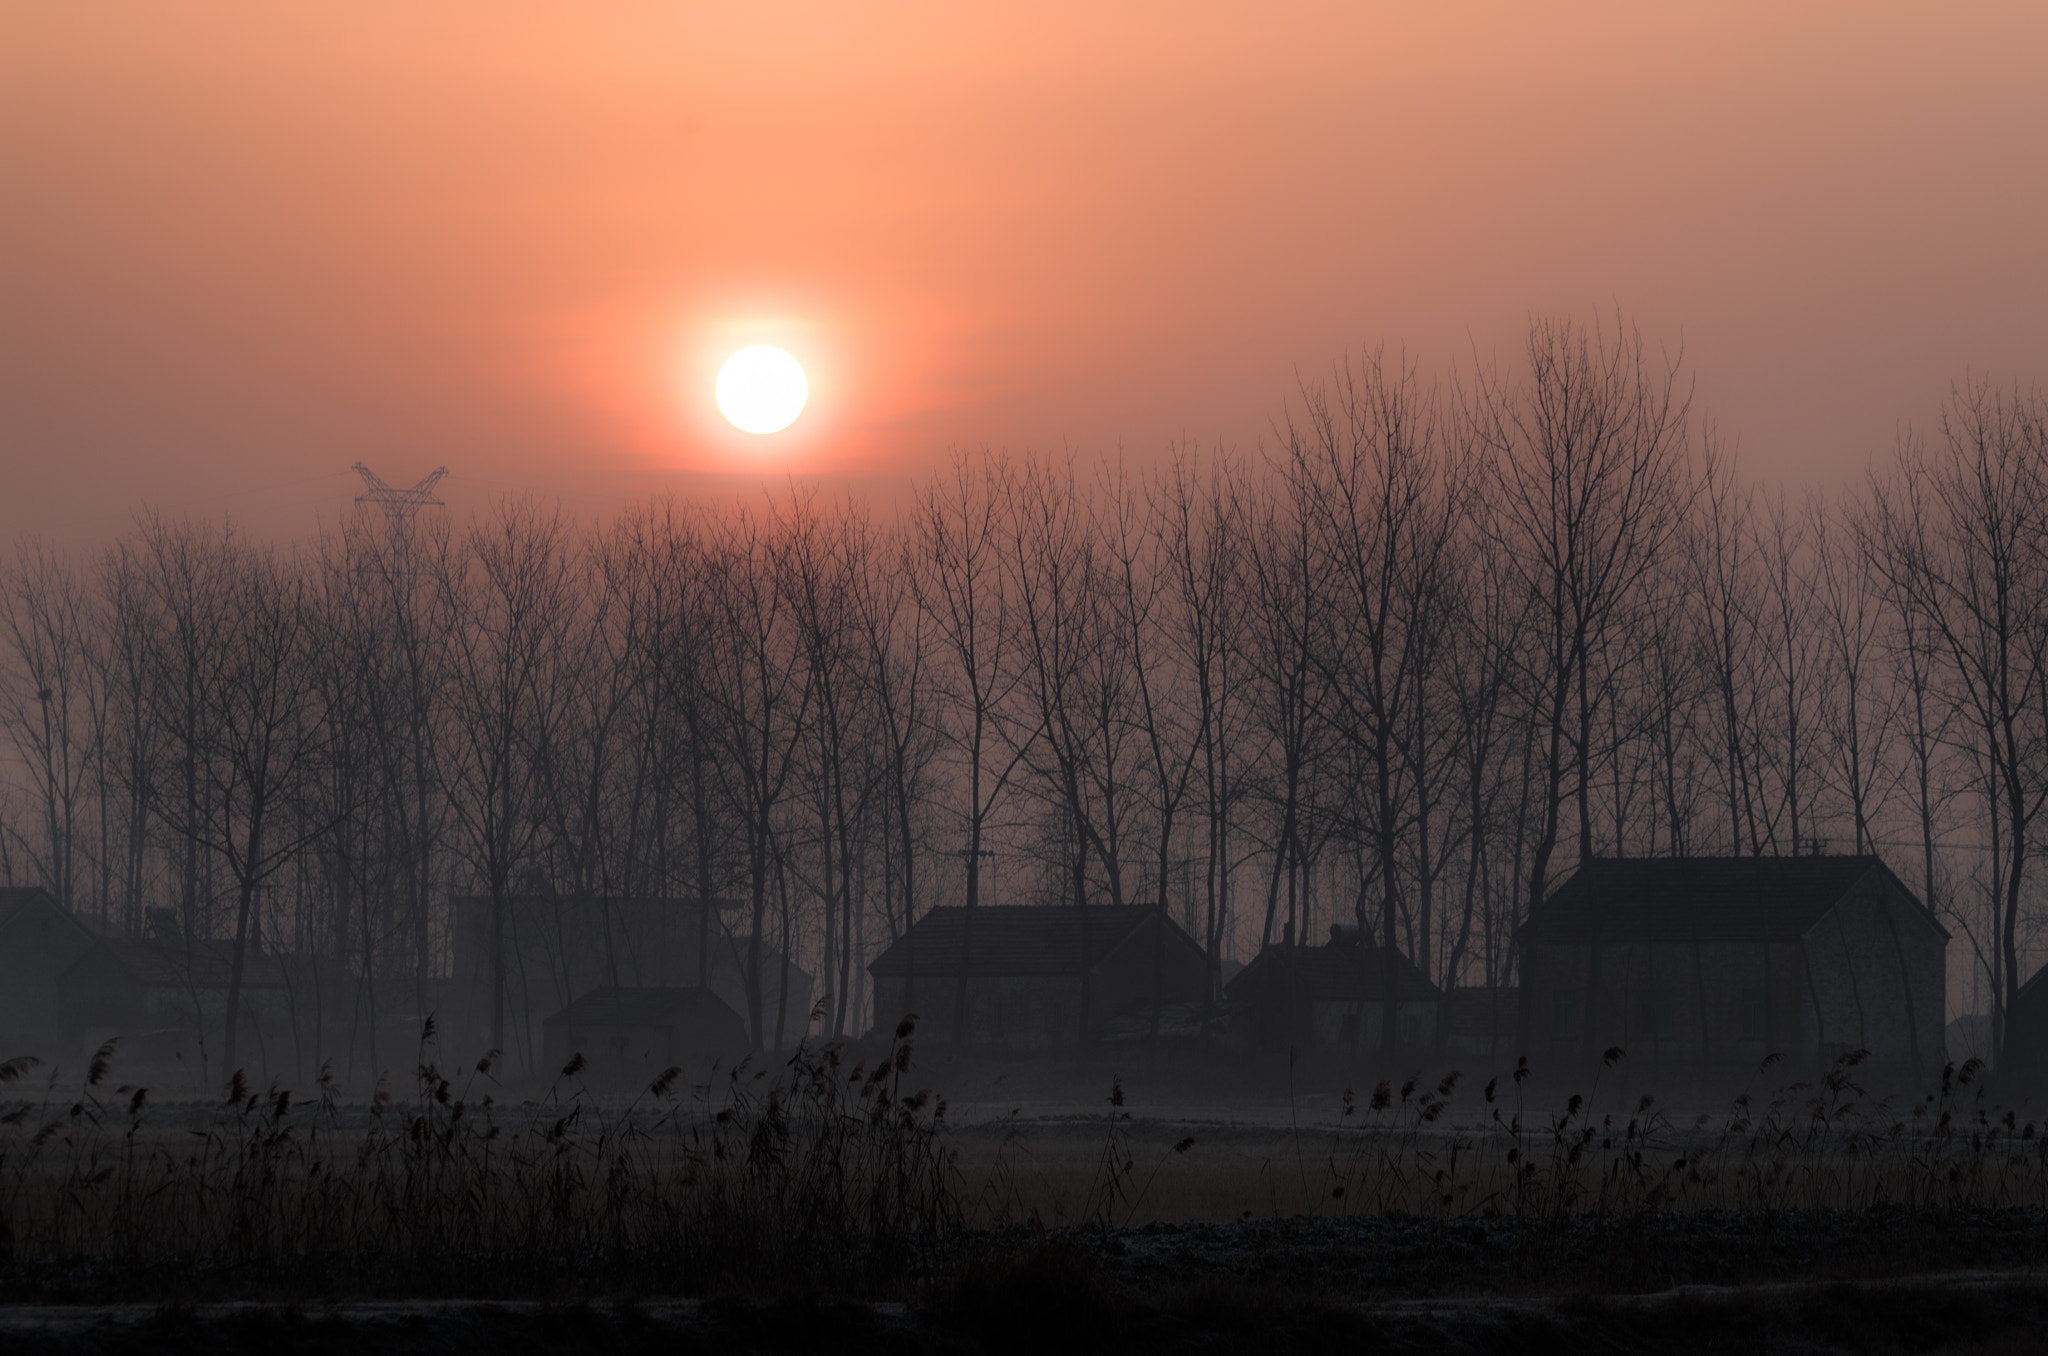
pixel 1879 982
pixel 2026 1050
pixel 1010 1012
pixel 1329 1023
pixel 1042 1012
pixel 1686 1001
pixel 1481 1021
pixel 644 1050
pixel 1868 975
pixel 38 942
pixel 559 949
pixel 1153 964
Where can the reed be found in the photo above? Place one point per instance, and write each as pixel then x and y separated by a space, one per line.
pixel 1819 1144
pixel 824 1176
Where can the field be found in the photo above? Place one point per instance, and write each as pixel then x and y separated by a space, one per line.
pixel 838 1194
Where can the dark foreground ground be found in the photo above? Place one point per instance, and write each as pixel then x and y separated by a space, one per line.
pixel 1811 1282
pixel 2005 1313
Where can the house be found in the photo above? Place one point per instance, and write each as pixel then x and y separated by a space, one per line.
pixel 1333 996
pixel 1480 1019
pixel 1037 977
pixel 1726 959
pixel 39 941
pixel 166 996
pixel 636 1033
pixel 2026 1031
pixel 557 947
pixel 1970 1036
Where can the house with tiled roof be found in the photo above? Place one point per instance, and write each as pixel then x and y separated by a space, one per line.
pixel 1038 976
pixel 554 948
pixel 2026 1031
pixel 165 997
pixel 39 940
pixel 636 1033
pixel 1722 960
pixel 1333 996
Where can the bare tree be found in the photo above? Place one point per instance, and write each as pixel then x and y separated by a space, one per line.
pixel 898 638
pixel 1857 718
pixel 960 588
pixel 49 699
pixel 511 601
pixel 260 737
pixel 1588 487
pixel 761 684
pixel 1369 468
pixel 1199 523
pixel 1964 532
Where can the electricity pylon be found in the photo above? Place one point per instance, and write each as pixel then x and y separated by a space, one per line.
pixel 399 505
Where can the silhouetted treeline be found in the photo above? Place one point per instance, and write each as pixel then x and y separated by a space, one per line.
pixel 1435 642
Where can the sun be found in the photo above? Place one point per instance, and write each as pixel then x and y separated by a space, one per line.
pixel 761 389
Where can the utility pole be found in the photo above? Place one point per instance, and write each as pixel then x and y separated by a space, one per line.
pixel 400 568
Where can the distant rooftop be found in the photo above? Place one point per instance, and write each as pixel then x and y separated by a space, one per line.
pixel 1012 939
pixel 1700 898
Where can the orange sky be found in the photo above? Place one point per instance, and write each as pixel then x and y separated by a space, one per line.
pixel 246 244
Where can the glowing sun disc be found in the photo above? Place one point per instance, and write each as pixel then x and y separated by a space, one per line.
pixel 762 389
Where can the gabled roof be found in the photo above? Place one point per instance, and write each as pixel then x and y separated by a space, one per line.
pixel 643 1007
pixel 199 964
pixel 13 897
pixel 1015 939
pixel 1707 899
pixel 677 905
pixel 18 899
pixel 1334 972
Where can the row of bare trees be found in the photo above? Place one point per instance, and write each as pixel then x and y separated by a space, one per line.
pixel 1436 642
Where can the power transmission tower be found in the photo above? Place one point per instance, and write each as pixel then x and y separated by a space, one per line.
pixel 400 506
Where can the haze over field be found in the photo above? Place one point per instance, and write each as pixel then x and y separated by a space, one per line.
pixel 250 245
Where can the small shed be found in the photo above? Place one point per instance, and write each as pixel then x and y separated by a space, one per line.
pixel 558 946
pixel 39 941
pixel 634 1033
pixel 1707 960
pixel 1038 977
pixel 1333 997
pixel 166 998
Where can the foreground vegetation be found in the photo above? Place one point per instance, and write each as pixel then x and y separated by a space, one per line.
pixel 843 1178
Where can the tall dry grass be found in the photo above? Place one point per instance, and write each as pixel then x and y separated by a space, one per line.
pixel 1824 1143
pixel 812 1172
pixel 819 1175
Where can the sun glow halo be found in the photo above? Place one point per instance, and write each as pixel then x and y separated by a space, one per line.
pixel 761 389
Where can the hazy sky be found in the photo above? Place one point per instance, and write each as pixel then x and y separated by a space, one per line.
pixel 244 245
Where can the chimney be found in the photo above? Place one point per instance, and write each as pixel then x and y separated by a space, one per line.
pixel 163 925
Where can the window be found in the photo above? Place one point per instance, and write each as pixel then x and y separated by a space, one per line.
pixel 1347 1029
pixel 1411 1030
